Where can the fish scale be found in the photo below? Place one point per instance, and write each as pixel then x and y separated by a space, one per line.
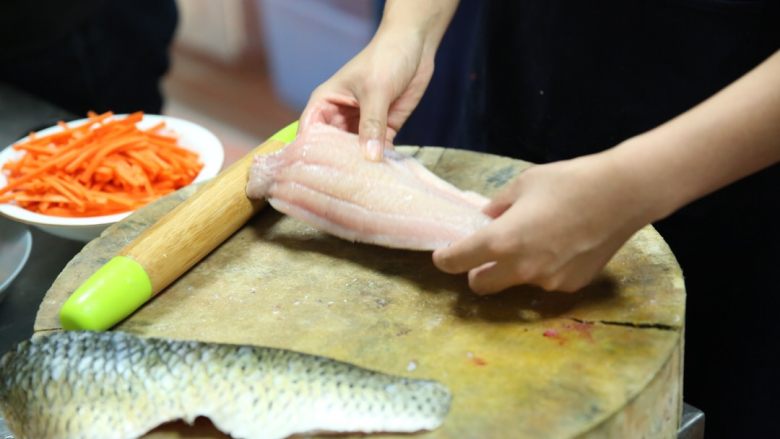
pixel 107 385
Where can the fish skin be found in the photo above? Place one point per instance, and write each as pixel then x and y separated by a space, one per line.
pixel 322 179
pixel 114 385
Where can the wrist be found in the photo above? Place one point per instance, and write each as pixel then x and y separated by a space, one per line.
pixel 646 176
pixel 426 20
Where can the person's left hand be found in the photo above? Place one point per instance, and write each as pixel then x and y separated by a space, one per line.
pixel 556 226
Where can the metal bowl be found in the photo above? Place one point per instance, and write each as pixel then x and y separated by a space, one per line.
pixel 15 245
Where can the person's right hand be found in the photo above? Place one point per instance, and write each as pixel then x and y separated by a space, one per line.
pixel 375 92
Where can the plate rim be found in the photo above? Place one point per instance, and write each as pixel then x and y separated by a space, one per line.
pixel 22 262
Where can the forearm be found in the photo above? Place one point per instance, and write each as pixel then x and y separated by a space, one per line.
pixel 727 137
pixel 428 18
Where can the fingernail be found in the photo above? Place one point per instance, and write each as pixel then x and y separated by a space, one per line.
pixel 375 152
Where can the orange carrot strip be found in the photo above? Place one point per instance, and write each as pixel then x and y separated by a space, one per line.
pixel 35 148
pixel 150 167
pixel 56 184
pixel 158 126
pixel 50 164
pixel 166 139
pixel 103 152
pixel 52 198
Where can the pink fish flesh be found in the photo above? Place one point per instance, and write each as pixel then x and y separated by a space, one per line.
pixel 322 179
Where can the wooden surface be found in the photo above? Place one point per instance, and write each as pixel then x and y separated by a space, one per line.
pixel 603 362
pixel 195 227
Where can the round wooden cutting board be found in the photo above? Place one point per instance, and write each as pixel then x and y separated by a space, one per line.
pixel 603 362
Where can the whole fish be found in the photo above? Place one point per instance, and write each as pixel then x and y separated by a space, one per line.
pixel 322 179
pixel 107 385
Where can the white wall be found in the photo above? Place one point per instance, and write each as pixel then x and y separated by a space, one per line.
pixel 213 27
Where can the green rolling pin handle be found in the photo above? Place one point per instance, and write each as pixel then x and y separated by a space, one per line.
pixel 112 293
pixel 121 286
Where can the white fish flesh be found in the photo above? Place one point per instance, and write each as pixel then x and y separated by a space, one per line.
pixel 322 179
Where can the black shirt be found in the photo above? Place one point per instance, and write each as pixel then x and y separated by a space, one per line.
pixel 561 78
pixel 556 79
pixel 86 55
pixel 27 25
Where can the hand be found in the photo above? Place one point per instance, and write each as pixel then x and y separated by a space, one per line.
pixel 556 226
pixel 375 92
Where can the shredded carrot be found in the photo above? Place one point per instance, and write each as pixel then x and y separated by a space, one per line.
pixel 104 166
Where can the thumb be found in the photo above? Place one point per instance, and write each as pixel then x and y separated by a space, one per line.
pixel 373 125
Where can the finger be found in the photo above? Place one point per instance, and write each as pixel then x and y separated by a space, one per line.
pixel 578 272
pixel 494 277
pixel 389 138
pixel 312 113
pixel 322 112
pixel 503 200
pixel 465 254
pixel 496 208
pixel 372 130
pixel 329 106
pixel 306 119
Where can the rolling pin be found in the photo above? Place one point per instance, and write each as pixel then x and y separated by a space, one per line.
pixel 170 247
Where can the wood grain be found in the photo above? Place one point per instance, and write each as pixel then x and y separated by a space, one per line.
pixel 603 362
pixel 180 239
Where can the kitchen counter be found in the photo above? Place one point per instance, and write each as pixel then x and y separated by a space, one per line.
pixel 17 310
pixel 19 114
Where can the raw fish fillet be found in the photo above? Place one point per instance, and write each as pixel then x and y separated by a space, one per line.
pixel 322 179
pixel 115 385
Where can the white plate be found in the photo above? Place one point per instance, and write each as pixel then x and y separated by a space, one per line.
pixel 191 136
pixel 15 246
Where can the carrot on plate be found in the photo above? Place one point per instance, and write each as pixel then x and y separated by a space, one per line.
pixel 105 166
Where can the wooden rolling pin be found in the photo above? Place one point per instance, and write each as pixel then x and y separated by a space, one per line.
pixel 170 247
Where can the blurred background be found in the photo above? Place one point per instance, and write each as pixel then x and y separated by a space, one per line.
pixel 244 69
